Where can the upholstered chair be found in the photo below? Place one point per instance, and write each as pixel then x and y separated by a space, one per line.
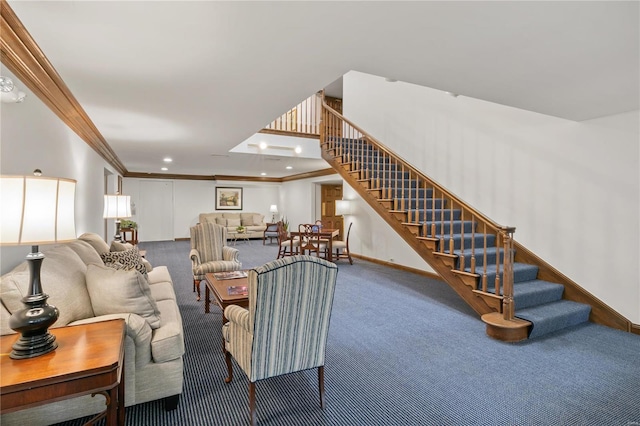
pixel 210 253
pixel 285 328
pixel 341 247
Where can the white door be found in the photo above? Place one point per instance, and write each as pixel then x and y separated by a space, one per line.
pixel 155 211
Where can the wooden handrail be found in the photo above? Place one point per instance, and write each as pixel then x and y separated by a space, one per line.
pixel 386 150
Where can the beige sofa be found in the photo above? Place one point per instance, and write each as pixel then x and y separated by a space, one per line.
pixel 253 222
pixel 84 289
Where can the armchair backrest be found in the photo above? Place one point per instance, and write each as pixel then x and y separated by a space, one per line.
pixel 208 238
pixel 290 303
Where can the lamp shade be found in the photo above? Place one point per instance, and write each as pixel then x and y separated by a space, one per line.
pixel 117 206
pixel 343 207
pixel 273 208
pixel 37 210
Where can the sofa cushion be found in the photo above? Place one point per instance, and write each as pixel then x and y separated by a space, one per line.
pixel 120 246
pixel 116 291
pixel 85 251
pixel 258 219
pixel 167 342
pixel 126 260
pixel 159 274
pixel 96 242
pixel 221 221
pixel 233 223
pixel 208 217
pixel 63 279
pixel 163 291
pixel 4 321
pixel 247 221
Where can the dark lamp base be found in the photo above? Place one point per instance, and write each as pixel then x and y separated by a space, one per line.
pixel 32 346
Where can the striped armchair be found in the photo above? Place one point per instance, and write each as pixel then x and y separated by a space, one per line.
pixel 209 252
pixel 285 328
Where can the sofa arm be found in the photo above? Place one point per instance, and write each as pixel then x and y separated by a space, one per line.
pixel 136 327
pixel 194 255
pixel 230 253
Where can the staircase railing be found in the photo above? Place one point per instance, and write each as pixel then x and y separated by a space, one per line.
pixel 435 215
pixel 301 120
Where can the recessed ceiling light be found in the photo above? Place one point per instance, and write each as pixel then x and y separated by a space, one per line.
pixel 263 145
pixel 168 159
pixel 164 169
pixel 289 167
pixel 263 174
pixel 298 150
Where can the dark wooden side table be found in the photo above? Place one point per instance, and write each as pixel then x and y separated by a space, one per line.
pixel 89 359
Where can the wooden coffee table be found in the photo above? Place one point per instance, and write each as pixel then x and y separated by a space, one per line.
pixel 221 296
pixel 89 359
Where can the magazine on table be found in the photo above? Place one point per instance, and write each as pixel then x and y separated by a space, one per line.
pixel 237 290
pixel 230 275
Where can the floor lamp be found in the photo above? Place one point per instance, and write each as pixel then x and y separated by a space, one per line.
pixel 36 210
pixel 117 207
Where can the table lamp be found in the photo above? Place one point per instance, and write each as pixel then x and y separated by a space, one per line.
pixel 117 207
pixel 36 210
pixel 274 210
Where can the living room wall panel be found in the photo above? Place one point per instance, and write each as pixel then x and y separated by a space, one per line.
pixel 192 197
pixel 34 137
pixel 571 189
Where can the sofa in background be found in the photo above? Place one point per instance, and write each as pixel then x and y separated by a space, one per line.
pixel 79 283
pixel 253 222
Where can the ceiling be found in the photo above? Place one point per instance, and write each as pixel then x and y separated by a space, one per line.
pixel 192 80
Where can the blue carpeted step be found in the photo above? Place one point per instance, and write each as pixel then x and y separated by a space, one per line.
pixel 554 316
pixel 521 272
pixel 410 193
pixel 420 203
pixel 533 293
pixel 492 254
pixel 446 225
pixel 419 216
pixel 478 240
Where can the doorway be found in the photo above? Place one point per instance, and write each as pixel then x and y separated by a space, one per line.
pixel 155 211
pixel 330 193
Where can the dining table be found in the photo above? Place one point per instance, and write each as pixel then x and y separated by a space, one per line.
pixel 327 234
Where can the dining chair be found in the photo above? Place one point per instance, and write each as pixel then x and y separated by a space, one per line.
pixel 310 240
pixel 286 246
pixel 342 247
pixel 270 232
pixel 285 328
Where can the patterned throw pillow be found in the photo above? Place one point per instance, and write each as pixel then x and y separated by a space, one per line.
pixel 126 260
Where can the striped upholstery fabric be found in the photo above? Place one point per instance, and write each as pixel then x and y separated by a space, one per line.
pixel 209 252
pixel 285 328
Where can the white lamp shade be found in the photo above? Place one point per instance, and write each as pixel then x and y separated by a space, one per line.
pixel 117 206
pixel 343 207
pixel 273 208
pixel 37 210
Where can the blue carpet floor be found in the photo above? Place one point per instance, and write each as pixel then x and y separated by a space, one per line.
pixel 403 350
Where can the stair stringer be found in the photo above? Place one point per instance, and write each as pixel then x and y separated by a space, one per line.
pixel 464 291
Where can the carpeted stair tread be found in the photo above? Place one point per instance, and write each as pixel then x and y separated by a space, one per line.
pixel 521 272
pixel 554 316
pixel 492 253
pixel 535 292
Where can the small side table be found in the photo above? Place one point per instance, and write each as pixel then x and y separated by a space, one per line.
pixel 89 359
pixel 134 235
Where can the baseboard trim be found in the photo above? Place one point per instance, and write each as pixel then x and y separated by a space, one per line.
pixel 635 329
pixel 183 239
pixel 427 274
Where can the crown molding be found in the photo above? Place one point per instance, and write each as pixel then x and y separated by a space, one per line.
pixel 307 175
pixel 21 54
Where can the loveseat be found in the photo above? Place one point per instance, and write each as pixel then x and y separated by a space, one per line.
pixel 88 281
pixel 253 222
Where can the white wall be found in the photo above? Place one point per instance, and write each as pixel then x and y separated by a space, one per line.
pixel 192 197
pixel 31 137
pixel 571 189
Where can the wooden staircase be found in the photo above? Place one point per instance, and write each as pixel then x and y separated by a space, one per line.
pixel 477 257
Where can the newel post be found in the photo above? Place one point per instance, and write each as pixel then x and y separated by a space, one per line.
pixel 508 305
